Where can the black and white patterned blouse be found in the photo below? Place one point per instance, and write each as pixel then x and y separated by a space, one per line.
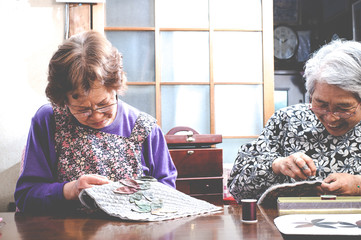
pixel 290 130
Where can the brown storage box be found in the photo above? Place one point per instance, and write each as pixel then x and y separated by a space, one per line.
pixel 201 186
pixel 191 162
pixel 199 163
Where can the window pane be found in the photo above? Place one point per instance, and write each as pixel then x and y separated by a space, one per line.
pixel 281 99
pixel 239 110
pixel 141 97
pixel 184 57
pixel 240 14
pixel 129 13
pixel 137 48
pixel 237 57
pixel 230 148
pixel 186 105
pixel 182 13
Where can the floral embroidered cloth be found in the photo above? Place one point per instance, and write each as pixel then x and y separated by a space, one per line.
pixel 289 130
pixel 174 204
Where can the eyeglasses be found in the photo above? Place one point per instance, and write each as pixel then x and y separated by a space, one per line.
pixel 343 115
pixel 88 112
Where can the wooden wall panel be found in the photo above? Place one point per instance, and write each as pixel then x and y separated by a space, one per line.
pixel 79 18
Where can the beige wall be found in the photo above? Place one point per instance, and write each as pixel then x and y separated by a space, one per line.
pixel 31 30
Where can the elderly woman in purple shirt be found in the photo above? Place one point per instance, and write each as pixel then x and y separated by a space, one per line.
pixel 86 136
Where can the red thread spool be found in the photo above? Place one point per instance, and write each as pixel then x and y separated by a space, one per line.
pixel 249 210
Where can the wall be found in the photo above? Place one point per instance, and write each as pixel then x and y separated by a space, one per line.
pixel 31 31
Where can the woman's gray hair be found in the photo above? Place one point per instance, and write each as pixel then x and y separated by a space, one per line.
pixel 336 63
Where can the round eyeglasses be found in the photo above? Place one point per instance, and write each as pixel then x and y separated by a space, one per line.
pixel 343 115
pixel 88 112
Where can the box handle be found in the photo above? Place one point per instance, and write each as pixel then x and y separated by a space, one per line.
pixel 174 130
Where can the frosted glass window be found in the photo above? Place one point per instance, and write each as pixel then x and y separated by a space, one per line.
pixel 129 13
pixel 141 97
pixel 238 109
pixel 230 148
pixel 182 13
pixel 186 105
pixel 137 48
pixel 237 57
pixel 244 14
pixel 281 99
pixel 184 56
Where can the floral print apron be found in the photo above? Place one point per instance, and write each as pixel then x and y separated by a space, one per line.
pixel 83 150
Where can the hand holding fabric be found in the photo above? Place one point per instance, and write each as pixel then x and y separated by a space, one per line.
pixel 72 189
pixel 298 166
pixel 342 184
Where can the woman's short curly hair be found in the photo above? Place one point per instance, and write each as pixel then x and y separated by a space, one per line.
pixel 81 61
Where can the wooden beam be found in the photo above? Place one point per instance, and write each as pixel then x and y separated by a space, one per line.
pixel 268 60
pixel 79 18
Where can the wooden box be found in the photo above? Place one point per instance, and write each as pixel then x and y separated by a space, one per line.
pixel 199 163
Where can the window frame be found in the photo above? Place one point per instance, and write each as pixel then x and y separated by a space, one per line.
pixel 98 19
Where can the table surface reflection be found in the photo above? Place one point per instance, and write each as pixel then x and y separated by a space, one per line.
pixel 225 224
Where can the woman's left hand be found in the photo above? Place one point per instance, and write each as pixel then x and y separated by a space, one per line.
pixel 342 184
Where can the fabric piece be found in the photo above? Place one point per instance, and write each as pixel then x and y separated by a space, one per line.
pixel 175 203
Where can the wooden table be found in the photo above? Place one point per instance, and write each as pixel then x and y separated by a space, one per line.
pixel 223 225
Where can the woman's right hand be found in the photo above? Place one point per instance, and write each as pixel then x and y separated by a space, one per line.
pixel 298 166
pixel 72 189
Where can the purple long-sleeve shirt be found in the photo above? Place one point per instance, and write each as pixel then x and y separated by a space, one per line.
pixel 37 189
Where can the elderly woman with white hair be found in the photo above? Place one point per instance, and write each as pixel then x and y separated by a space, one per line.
pixel 307 141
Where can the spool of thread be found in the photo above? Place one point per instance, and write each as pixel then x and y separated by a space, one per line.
pixel 328 197
pixel 249 210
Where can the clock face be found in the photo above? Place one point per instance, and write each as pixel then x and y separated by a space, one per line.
pixel 285 42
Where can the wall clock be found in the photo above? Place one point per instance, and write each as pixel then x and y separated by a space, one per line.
pixel 285 42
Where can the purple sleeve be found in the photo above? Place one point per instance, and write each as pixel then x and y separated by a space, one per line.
pixel 156 160
pixel 37 190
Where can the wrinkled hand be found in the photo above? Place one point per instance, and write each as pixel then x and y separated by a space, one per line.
pixel 342 184
pixel 298 166
pixel 72 189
